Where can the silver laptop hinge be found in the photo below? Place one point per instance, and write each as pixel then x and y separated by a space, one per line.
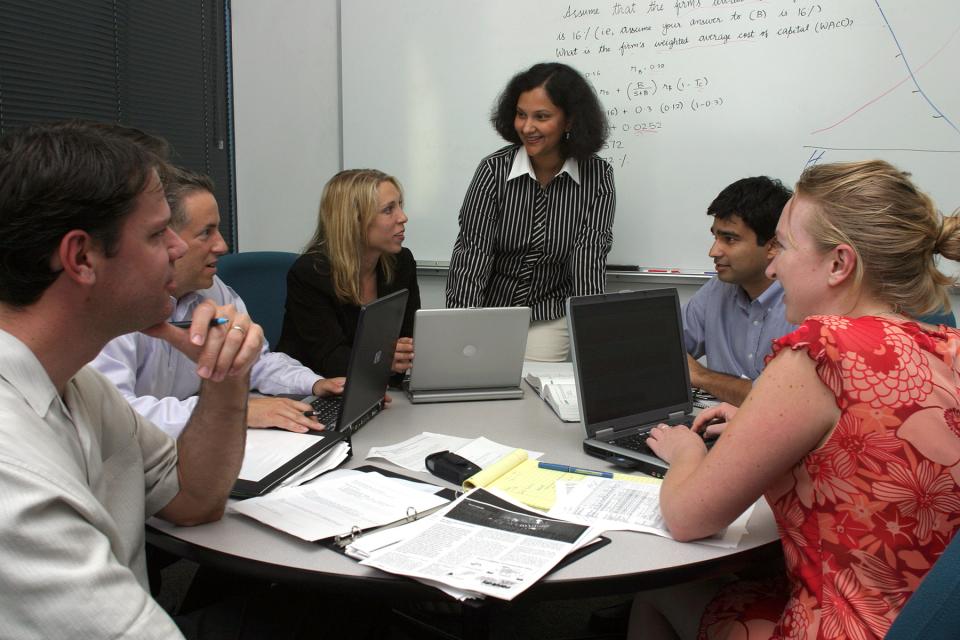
pixel 677 415
pixel 603 434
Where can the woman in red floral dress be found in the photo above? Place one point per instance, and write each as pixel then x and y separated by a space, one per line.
pixel 852 433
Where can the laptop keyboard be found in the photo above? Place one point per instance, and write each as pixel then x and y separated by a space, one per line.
pixel 637 441
pixel 328 410
pixel 634 442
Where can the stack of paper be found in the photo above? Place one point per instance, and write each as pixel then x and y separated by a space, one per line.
pixel 613 505
pixel 275 458
pixel 344 503
pixel 556 385
pixel 327 462
pixel 411 453
pixel 521 478
pixel 481 545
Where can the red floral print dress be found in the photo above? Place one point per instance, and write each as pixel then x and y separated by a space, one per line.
pixel 863 517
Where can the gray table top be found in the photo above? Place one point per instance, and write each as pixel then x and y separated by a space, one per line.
pixel 630 561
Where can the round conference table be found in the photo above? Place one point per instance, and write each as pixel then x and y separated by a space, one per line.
pixel 631 562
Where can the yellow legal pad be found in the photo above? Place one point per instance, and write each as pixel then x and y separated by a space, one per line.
pixel 519 477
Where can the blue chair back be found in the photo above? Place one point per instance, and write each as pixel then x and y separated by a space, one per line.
pixel 260 278
pixel 933 611
pixel 943 316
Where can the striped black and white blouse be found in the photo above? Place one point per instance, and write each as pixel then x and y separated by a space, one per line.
pixel 521 244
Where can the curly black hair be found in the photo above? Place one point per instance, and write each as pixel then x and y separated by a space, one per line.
pixel 568 90
pixel 758 201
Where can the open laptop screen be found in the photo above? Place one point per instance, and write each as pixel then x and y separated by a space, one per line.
pixel 371 358
pixel 629 355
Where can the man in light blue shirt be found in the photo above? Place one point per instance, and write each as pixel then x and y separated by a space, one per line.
pixel 158 380
pixel 733 319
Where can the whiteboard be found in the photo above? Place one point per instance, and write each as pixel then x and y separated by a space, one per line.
pixel 699 93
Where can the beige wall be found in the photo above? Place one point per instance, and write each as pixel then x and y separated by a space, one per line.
pixel 287 117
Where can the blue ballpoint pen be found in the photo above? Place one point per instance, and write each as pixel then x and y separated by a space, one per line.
pixel 568 469
pixel 185 324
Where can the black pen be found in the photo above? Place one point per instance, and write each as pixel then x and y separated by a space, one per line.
pixel 185 324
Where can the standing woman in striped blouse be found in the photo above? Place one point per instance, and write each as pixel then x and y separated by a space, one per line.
pixel 537 221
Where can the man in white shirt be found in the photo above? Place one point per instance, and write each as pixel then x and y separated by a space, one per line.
pixel 87 255
pixel 734 317
pixel 158 380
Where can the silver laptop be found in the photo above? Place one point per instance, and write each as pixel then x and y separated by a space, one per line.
pixel 630 366
pixel 468 354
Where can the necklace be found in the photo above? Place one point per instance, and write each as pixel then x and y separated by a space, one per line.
pixel 893 315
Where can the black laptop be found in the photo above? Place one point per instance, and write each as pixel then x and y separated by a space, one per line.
pixel 368 372
pixel 630 366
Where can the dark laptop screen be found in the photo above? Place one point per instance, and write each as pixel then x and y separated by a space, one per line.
pixel 630 354
pixel 368 373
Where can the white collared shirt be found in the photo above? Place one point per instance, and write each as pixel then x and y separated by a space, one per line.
pixel 523 167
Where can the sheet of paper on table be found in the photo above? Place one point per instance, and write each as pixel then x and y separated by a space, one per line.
pixel 410 453
pixel 327 462
pixel 337 505
pixel 628 506
pixel 523 480
pixel 481 545
pixel 555 383
pixel 269 449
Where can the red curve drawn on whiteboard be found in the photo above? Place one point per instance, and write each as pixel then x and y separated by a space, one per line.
pixel 891 89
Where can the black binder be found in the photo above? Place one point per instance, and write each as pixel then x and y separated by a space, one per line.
pixel 325 441
pixel 340 542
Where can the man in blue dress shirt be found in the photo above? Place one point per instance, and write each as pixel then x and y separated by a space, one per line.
pixel 734 317
pixel 158 380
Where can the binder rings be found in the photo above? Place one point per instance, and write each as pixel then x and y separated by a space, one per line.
pixel 342 541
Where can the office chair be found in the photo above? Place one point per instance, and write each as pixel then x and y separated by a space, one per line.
pixel 933 611
pixel 941 316
pixel 260 278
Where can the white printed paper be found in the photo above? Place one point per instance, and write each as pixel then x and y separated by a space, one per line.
pixel 410 453
pixel 613 505
pixel 331 459
pixel 269 449
pixel 477 547
pixel 338 505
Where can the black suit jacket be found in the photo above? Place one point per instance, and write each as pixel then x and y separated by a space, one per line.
pixel 319 329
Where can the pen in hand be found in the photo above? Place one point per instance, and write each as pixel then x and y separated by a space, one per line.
pixel 185 324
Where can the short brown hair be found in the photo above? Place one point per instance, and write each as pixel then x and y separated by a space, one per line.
pixel 55 178
pixel 178 184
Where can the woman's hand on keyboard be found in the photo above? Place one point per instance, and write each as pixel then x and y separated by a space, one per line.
pixel 676 442
pixel 711 422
